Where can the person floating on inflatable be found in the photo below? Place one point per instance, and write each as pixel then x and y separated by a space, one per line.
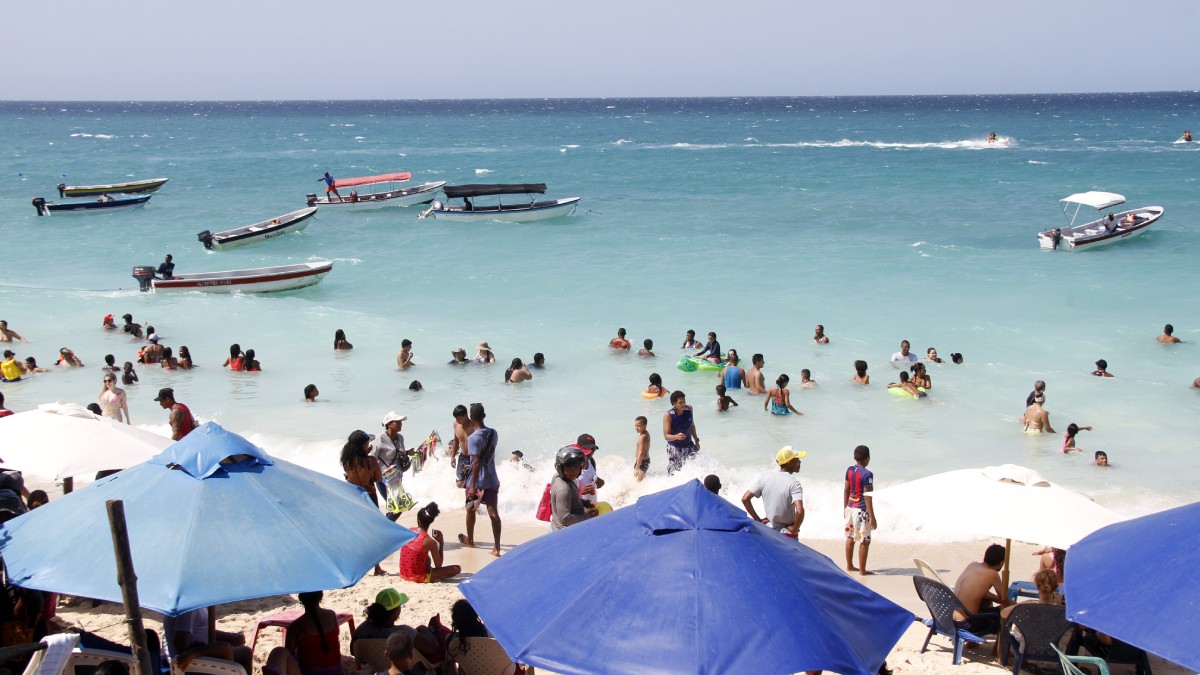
pixel 992 137
pixel 1186 137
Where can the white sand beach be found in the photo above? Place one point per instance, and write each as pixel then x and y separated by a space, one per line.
pixel 892 566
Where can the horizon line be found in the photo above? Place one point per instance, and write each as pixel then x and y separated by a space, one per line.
pixel 596 98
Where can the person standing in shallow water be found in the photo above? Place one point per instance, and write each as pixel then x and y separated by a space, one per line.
pixel 679 430
pixel 483 484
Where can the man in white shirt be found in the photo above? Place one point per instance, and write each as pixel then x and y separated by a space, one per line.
pixel 782 494
pixel 903 356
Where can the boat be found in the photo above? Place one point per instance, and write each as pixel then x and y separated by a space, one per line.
pixel 257 280
pixel 133 187
pixel 522 212
pixel 104 203
pixel 252 234
pixel 378 192
pixel 1106 230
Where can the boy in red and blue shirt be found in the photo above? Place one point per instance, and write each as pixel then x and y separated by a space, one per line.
pixel 860 512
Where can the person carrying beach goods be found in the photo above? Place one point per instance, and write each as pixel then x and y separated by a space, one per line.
pixel 860 511
pixel 388 448
pixel 566 507
pixel 782 494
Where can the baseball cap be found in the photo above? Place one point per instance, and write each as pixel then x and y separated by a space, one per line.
pixel 787 454
pixel 393 416
pixel 391 598
pixel 165 392
pixel 587 442
pixel 359 437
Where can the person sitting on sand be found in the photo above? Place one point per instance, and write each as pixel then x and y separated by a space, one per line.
pixel 1167 337
pixel 1036 419
pixel 421 559
pixel 647 350
pixel 978 587
pixel 517 372
pixel 819 336
pixel 907 386
pixel 779 399
pixel 711 350
pixel 860 373
pixel 724 403
pixel 619 342
pixel 1068 444
pixel 340 343
pixel 1102 369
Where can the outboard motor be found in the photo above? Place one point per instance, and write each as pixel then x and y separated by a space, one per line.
pixel 39 203
pixel 205 238
pixel 311 200
pixel 61 187
pixel 144 274
pixel 433 206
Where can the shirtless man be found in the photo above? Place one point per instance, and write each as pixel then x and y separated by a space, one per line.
pixel 459 460
pixel 978 587
pixel 907 386
pixel 405 358
pixel 755 382
pixel 806 381
pixel 1102 369
pixel 647 349
pixel 7 335
pixel 620 342
pixel 1167 337
pixel 819 336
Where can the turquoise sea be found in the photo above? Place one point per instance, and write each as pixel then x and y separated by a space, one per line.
pixel 881 218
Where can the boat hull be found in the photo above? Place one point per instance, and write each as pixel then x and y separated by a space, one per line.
pixel 130 188
pixel 93 207
pixel 259 232
pixel 508 214
pixel 418 194
pixel 260 280
pixel 1094 235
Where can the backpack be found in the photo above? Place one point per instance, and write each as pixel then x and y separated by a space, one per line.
pixel 543 510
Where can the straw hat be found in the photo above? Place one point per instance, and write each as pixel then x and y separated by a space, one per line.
pixel 483 347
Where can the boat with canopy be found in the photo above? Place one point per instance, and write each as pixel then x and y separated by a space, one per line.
pixel 527 209
pixel 1106 230
pixel 377 192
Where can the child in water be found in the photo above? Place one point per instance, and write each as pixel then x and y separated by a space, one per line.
pixel 724 402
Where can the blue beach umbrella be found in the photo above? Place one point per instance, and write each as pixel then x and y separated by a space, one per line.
pixel 681 582
pixel 212 519
pixel 1139 581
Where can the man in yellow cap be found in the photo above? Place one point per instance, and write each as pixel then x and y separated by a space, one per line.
pixel 782 494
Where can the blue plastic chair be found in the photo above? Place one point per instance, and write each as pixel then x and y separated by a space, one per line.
pixel 942 604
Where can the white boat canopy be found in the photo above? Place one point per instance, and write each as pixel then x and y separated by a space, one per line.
pixel 1096 200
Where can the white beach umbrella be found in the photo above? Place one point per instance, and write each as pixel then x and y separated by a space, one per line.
pixel 61 440
pixel 1007 502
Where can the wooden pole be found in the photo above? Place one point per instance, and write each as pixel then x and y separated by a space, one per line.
pixel 1007 553
pixel 127 579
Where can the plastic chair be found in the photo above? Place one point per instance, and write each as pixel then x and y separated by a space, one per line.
pixel 284 619
pixel 928 572
pixel 1069 666
pixel 210 666
pixel 85 660
pixel 371 652
pixel 482 656
pixel 1038 627
pixel 942 604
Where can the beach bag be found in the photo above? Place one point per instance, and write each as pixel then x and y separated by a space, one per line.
pixel 543 510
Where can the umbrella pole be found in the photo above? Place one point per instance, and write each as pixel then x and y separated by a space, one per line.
pixel 1007 553
pixel 127 579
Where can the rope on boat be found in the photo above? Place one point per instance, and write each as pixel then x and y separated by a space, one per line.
pixel 323 222
pixel 591 211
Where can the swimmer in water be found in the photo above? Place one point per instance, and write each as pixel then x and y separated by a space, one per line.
pixel 1068 444
pixel 906 385
pixel 1036 419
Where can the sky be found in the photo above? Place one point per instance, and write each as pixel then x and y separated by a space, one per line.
pixel 455 49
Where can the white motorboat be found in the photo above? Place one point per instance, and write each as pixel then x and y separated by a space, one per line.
pixel 129 188
pixel 257 280
pixel 377 192
pixel 1106 230
pixel 525 210
pixel 251 234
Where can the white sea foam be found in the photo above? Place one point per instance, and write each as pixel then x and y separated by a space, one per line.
pixel 966 144
pixel 621 141
pixel 1034 161
pixel 481 172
